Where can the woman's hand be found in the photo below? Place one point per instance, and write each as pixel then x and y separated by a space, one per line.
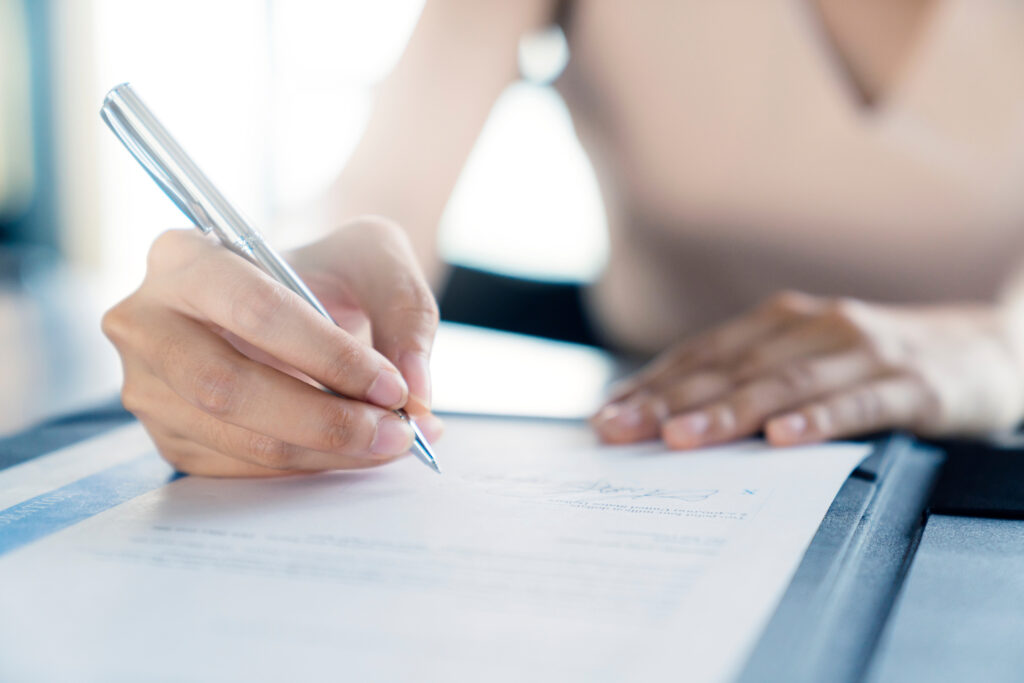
pixel 218 357
pixel 805 369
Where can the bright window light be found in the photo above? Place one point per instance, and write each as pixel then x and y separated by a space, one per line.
pixel 253 91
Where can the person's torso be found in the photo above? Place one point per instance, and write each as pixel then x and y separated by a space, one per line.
pixel 736 160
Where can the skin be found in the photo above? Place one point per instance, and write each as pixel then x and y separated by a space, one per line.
pixel 873 38
pixel 806 369
pixel 218 358
pixel 223 382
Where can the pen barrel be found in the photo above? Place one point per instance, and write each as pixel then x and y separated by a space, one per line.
pixel 275 266
pixel 188 187
pixel 172 168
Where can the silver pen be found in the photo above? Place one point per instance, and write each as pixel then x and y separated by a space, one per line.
pixel 189 188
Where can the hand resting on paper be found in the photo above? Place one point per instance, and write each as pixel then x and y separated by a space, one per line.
pixel 219 358
pixel 805 369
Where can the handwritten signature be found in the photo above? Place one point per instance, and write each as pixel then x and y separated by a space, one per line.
pixel 523 487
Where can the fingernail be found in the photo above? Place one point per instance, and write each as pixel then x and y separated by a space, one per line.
pixel 790 426
pixel 387 390
pixel 619 416
pixel 393 437
pixel 694 424
pixel 416 369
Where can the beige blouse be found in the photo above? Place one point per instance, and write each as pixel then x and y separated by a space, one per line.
pixel 736 160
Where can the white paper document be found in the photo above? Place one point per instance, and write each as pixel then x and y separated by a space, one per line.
pixel 537 556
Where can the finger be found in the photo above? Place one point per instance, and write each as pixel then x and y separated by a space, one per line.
pixel 744 411
pixel 811 337
pixel 639 417
pixel 197 443
pixel 723 344
pixel 431 425
pixel 382 272
pixel 189 457
pixel 892 402
pixel 205 370
pixel 193 458
pixel 225 290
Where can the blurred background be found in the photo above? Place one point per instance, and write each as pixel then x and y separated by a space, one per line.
pixel 270 97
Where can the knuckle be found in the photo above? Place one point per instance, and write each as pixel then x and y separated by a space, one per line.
pixel 255 305
pixel 878 352
pixel 427 304
pixel 169 249
pixel 381 228
pixel 414 300
pixel 847 312
pixel 168 354
pixel 756 360
pixel 787 302
pixel 340 431
pixel 214 386
pixel 116 324
pixel 271 452
pixel 697 389
pixel 377 231
pixel 175 456
pixel 132 398
pixel 800 378
pixel 343 364
pixel 747 404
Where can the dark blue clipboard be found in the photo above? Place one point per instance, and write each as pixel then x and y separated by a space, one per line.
pixel 831 618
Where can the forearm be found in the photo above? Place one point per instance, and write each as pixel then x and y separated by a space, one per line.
pixel 428 113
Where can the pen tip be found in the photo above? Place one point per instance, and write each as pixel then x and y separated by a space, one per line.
pixel 427 456
pixel 421 447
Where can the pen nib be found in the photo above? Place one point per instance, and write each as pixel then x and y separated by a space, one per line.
pixel 420 447
pixel 425 453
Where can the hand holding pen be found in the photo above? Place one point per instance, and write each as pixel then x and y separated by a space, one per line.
pixel 218 354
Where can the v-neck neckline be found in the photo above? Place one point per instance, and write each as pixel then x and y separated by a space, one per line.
pixel 841 64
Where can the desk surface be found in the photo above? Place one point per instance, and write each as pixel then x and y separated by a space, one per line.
pixel 961 613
